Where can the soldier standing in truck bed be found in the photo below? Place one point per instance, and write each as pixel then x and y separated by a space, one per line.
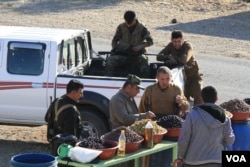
pixel 180 53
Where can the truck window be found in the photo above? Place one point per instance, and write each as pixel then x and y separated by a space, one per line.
pixel 81 48
pixel 73 54
pixel 25 58
pixel 67 51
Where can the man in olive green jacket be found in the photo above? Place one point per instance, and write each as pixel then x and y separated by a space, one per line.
pixel 128 45
pixel 163 97
pixel 180 53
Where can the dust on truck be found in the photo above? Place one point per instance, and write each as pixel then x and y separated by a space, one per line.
pixel 35 66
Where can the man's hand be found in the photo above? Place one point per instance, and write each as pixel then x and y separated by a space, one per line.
pixel 172 60
pixel 113 51
pixel 180 100
pixel 176 162
pixel 139 47
pixel 150 115
pixel 146 115
pixel 182 103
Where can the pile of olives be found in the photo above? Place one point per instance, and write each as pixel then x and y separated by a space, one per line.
pixel 236 105
pixel 247 100
pixel 130 135
pixel 139 127
pixel 92 142
pixel 170 121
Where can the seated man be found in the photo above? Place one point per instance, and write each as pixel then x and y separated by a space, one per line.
pixel 128 45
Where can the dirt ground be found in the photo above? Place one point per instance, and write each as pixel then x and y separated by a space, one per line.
pixel 218 27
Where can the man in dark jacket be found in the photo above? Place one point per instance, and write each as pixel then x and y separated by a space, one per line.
pixel 62 116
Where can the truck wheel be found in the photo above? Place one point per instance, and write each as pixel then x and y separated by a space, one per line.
pixel 93 125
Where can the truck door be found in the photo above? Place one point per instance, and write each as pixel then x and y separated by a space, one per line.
pixel 1 54
pixel 23 79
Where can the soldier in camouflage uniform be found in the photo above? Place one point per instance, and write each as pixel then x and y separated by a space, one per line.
pixel 180 53
pixel 128 44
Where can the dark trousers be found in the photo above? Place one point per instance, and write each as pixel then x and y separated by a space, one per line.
pixel 204 165
pixel 161 159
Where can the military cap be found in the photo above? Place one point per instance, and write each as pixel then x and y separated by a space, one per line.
pixel 134 80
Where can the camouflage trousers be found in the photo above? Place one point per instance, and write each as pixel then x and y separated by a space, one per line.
pixel 193 88
pixel 140 62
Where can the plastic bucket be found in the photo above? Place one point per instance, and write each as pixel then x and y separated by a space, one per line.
pixel 33 160
pixel 242 135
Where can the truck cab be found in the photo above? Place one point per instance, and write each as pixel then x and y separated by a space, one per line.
pixel 30 61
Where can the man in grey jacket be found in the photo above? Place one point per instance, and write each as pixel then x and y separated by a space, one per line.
pixel 122 106
pixel 123 109
pixel 205 133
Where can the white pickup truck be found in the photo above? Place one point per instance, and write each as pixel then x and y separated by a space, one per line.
pixel 37 63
